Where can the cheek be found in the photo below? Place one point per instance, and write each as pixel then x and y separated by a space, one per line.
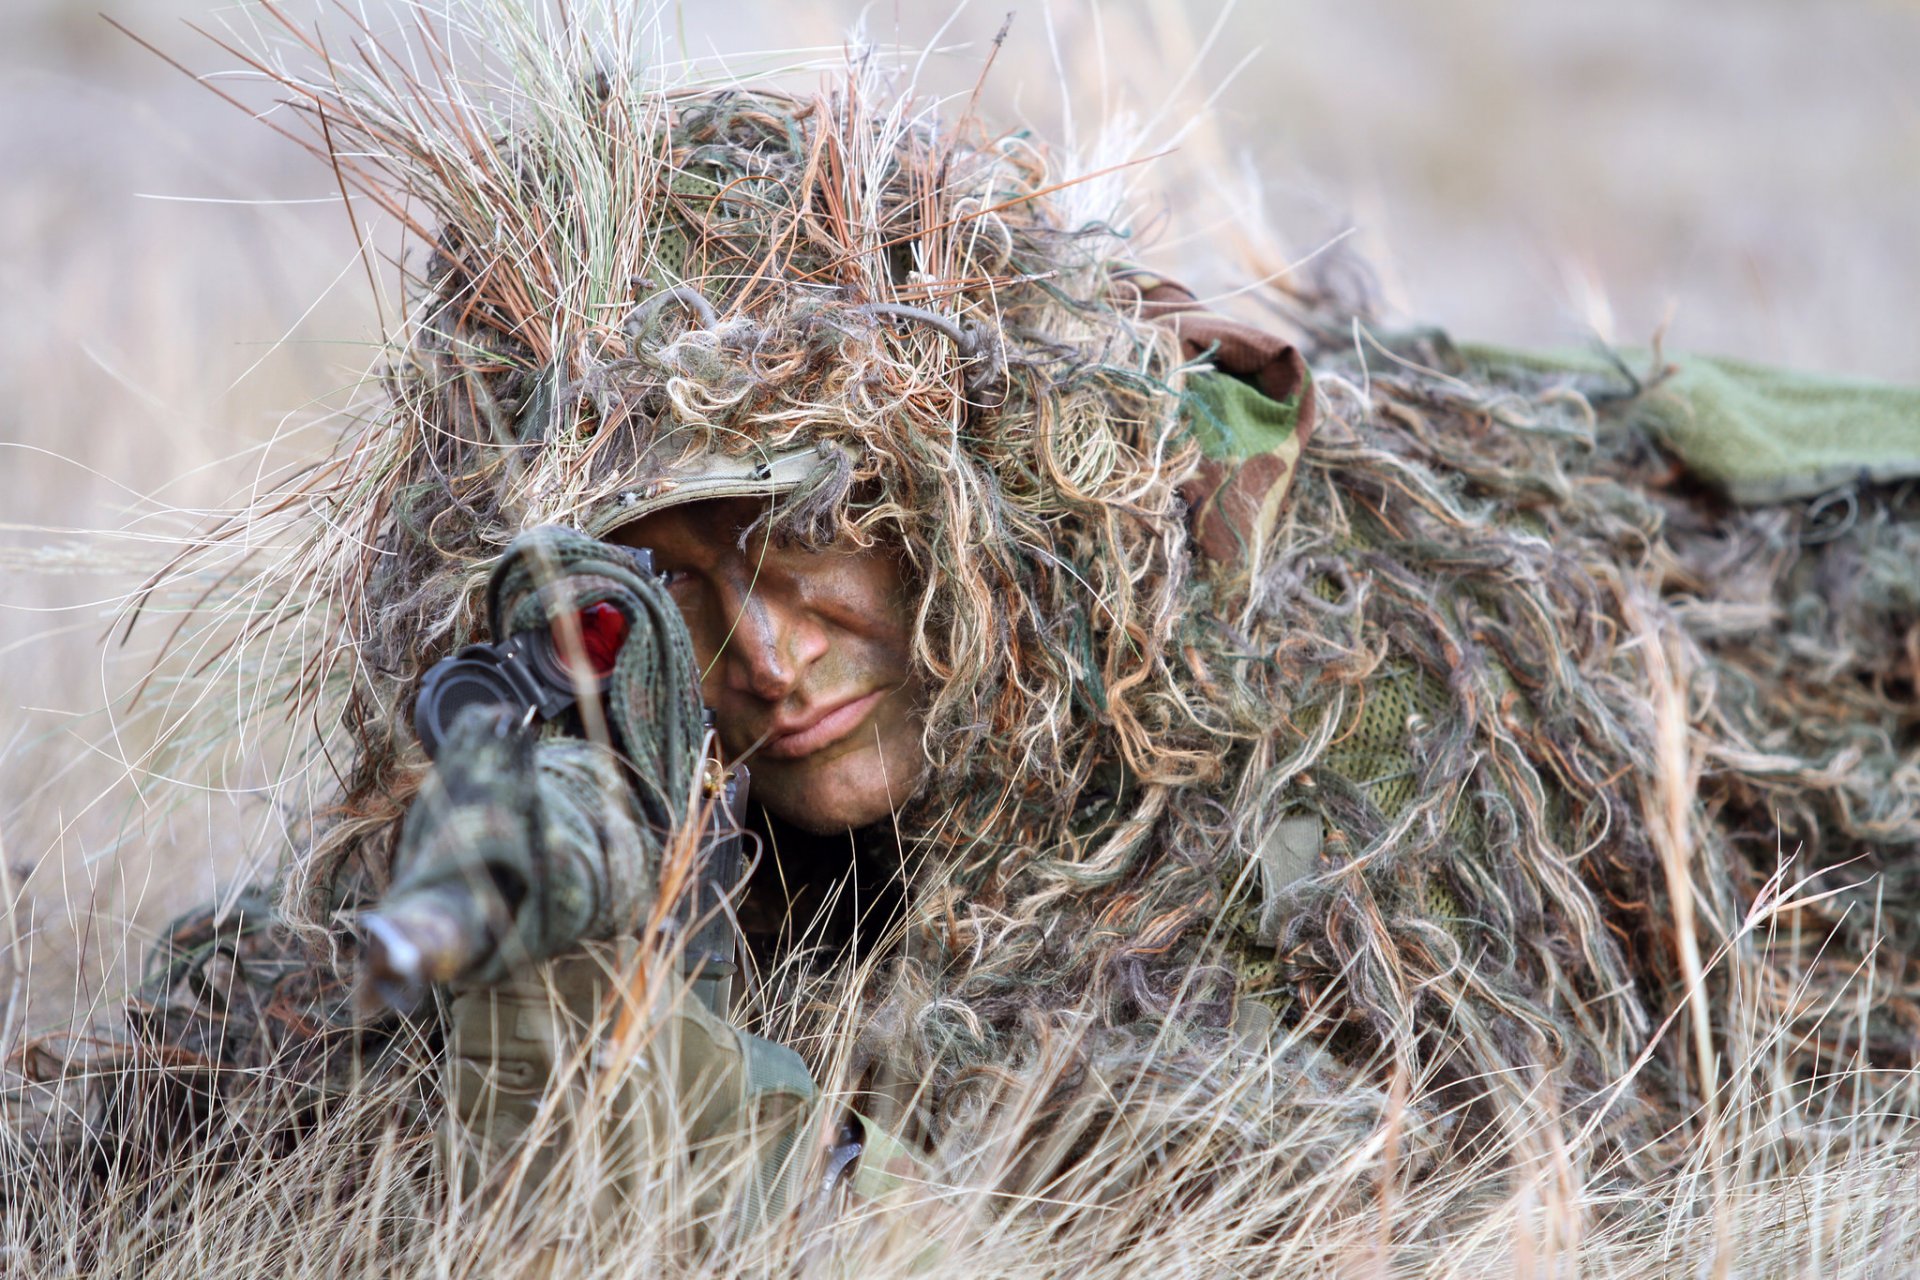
pixel 858 659
pixel 902 750
pixel 876 624
pixel 696 612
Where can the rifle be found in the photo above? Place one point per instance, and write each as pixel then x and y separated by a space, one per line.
pixel 566 756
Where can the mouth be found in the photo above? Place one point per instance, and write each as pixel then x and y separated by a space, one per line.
pixel 803 738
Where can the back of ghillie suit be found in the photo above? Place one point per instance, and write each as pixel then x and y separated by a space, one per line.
pixel 1400 741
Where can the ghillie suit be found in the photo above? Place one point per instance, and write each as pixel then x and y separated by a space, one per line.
pixel 1555 698
pixel 1296 750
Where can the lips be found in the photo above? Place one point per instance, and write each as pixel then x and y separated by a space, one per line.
pixel 803 737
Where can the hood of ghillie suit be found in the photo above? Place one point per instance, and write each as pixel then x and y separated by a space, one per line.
pixel 654 276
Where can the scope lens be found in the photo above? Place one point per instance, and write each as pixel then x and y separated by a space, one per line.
pixel 472 679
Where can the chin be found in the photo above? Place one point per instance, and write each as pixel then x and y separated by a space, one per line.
pixel 822 814
pixel 832 796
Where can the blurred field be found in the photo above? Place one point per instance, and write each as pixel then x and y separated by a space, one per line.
pixel 182 291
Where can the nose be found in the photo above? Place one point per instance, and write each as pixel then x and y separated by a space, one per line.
pixel 774 640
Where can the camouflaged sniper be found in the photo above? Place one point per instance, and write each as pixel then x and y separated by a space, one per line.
pixel 1268 715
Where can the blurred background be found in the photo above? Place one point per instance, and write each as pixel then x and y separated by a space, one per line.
pixel 183 298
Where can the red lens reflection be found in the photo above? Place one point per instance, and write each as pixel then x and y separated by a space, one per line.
pixel 603 629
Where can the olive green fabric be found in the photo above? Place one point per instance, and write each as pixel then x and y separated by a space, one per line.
pixel 1371 748
pixel 1230 419
pixel 1759 434
pixel 539 1082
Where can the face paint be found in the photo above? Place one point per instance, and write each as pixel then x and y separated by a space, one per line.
pixel 807 656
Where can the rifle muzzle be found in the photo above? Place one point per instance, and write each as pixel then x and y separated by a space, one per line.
pixel 419 939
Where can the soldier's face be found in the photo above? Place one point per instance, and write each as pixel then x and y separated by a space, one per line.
pixel 807 661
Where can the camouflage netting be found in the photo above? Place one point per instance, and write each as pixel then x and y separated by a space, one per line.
pixel 1485 588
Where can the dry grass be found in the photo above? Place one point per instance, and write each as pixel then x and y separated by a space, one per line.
pixel 1774 1182
pixel 144 318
